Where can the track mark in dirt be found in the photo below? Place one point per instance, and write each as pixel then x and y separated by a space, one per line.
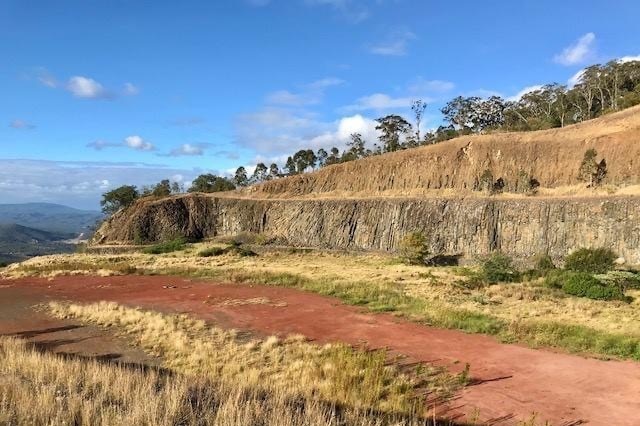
pixel 20 318
pixel 510 381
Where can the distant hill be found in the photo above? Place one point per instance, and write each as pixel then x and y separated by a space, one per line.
pixel 13 233
pixel 54 218
pixel 19 242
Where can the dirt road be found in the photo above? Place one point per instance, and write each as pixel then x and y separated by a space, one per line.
pixel 512 382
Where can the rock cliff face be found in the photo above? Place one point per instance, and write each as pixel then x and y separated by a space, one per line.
pixel 520 227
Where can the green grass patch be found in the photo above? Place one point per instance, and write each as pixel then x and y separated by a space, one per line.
pixel 176 244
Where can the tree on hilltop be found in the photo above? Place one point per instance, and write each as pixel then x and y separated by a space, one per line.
pixel 118 198
pixel 392 127
pixel 211 183
pixel 240 178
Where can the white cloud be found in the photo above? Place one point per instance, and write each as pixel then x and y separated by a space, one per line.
pixel 379 102
pixel 187 121
pixel 22 125
pixel 130 89
pixel 351 10
pixel 357 124
pixel 139 144
pixel 100 144
pixel 310 94
pixel 86 88
pixel 524 91
pixel 579 52
pixel 395 45
pixel 325 83
pixel 626 59
pixel 420 85
pixel 576 78
pixel 83 87
pixel 188 150
pixel 79 184
pixel 285 97
pixel 276 133
pixel 45 78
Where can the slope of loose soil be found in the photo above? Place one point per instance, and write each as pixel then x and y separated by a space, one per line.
pixel 512 381
pixel 551 156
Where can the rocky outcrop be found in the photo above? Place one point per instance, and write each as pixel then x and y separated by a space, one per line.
pixel 521 227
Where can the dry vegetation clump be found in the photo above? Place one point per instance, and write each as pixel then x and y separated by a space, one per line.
pixel 333 373
pixel 46 389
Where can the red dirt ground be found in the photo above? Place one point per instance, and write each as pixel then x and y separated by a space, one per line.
pixel 512 381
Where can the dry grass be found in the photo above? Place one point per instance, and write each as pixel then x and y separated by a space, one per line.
pixel 45 389
pixel 562 191
pixel 381 283
pixel 551 156
pixel 333 373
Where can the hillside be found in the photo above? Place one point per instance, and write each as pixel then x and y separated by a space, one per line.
pixel 363 205
pixel 50 217
pixel 22 234
pixel 19 242
pixel 550 156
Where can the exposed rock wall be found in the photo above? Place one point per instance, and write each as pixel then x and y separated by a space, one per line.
pixel 519 227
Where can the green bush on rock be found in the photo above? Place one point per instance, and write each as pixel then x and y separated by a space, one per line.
pixel 592 260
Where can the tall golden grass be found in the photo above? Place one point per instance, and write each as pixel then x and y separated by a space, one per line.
pixel 45 389
pixel 334 373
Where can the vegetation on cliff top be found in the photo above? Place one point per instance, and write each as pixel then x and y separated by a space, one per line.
pixel 601 89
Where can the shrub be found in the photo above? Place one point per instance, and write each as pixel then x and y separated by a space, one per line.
pixel 498 268
pixel 556 278
pixel 235 248
pixel 472 281
pixel 413 248
pixel 544 263
pixel 167 247
pixel 583 284
pixel 212 251
pixel 243 251
pixel 623 280
pixel 595 261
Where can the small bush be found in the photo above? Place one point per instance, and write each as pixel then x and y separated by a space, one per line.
pixel 413 248
pixel 472 281
pixel 167 247
pixel 212 251
pixel 235 247
pixel 544 263
pixel 243 251
pixel 594 261
pixel 556 278
pixel 623 280
pixel 583 284
pixel 542 266
pixel 498 268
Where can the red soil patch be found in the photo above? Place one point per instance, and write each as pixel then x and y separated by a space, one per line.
pixel 513 381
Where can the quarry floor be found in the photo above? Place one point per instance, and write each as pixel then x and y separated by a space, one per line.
pixel 510 382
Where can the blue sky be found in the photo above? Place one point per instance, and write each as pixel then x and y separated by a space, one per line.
pixel 96 94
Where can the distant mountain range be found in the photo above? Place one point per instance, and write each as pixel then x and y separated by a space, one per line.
pixel 50 217
pixel 34 229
